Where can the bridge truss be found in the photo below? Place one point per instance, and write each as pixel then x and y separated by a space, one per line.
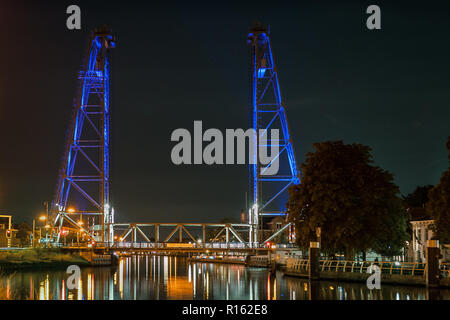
pixel 195 232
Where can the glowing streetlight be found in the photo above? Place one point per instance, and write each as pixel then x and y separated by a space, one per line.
pixel 71 210
pixel 43 218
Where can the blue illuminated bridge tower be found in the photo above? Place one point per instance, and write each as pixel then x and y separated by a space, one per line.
pixel 82 201
pixel 268 193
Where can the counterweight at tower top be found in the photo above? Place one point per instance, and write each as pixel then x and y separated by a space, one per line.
pixel 82 197
pixel 268 192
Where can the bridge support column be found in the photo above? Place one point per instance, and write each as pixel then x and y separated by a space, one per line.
pixel 314 256
pixel 203 235
pixel 134 234
pixel 432 269
pixel 157 235
pixel 227 234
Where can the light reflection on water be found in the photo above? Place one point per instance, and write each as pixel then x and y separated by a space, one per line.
pixel 163 277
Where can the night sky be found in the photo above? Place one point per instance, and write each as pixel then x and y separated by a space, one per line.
pixel 179 62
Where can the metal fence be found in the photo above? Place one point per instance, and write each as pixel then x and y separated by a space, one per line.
pixel 445 269
pixel 386 267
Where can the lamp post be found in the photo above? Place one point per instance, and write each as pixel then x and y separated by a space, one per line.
pixel 46 209
pixel 80 223
pixel 318 234
pixel 33 241
pixel 42 218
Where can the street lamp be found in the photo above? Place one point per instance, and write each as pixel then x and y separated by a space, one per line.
pixel 318 234
pixel 41 218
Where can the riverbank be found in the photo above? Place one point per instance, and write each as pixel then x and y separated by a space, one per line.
pixel 38 258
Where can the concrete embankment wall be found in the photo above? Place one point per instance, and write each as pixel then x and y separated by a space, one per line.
pixel 445 282
pixel 362 277
pixel 258 261
pixel 98 259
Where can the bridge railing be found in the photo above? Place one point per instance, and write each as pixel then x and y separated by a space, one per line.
pixel 445 269
pixel 285 245
pixel 169 245
pixel 386 267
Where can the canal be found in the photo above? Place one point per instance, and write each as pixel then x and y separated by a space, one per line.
pixel 162 277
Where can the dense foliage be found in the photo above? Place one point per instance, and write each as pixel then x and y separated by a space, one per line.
pixel 355 204
pixel 418 198
pixel 438 205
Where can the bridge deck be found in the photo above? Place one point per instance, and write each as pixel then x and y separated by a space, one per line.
pixel 146 247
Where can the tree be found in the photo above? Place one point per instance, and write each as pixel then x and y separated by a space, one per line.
pixel 23 233
pixel 418 198
pixel 448 148
pixel 355 204
pixel 438 206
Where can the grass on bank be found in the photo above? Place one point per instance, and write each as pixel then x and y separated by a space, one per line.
pixel 38 256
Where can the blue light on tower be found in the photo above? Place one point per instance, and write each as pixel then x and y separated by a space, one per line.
pixel 268 112
pixel 87 149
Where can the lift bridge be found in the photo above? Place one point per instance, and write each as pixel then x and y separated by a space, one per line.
pixel 82 202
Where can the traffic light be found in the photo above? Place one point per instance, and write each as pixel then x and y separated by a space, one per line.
pixel 8 234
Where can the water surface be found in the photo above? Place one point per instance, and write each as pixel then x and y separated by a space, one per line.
pixel 162 277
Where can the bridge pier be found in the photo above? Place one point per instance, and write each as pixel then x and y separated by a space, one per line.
pixel 314 256
pixel 432 269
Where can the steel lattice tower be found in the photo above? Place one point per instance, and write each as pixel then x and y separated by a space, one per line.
pixel 268 194
pixel 82 196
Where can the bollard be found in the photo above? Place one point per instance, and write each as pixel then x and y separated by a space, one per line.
pixel 432 258
pixel 314 255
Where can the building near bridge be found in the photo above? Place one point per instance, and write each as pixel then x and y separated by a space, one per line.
pixel 422 231
pixel 274 225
